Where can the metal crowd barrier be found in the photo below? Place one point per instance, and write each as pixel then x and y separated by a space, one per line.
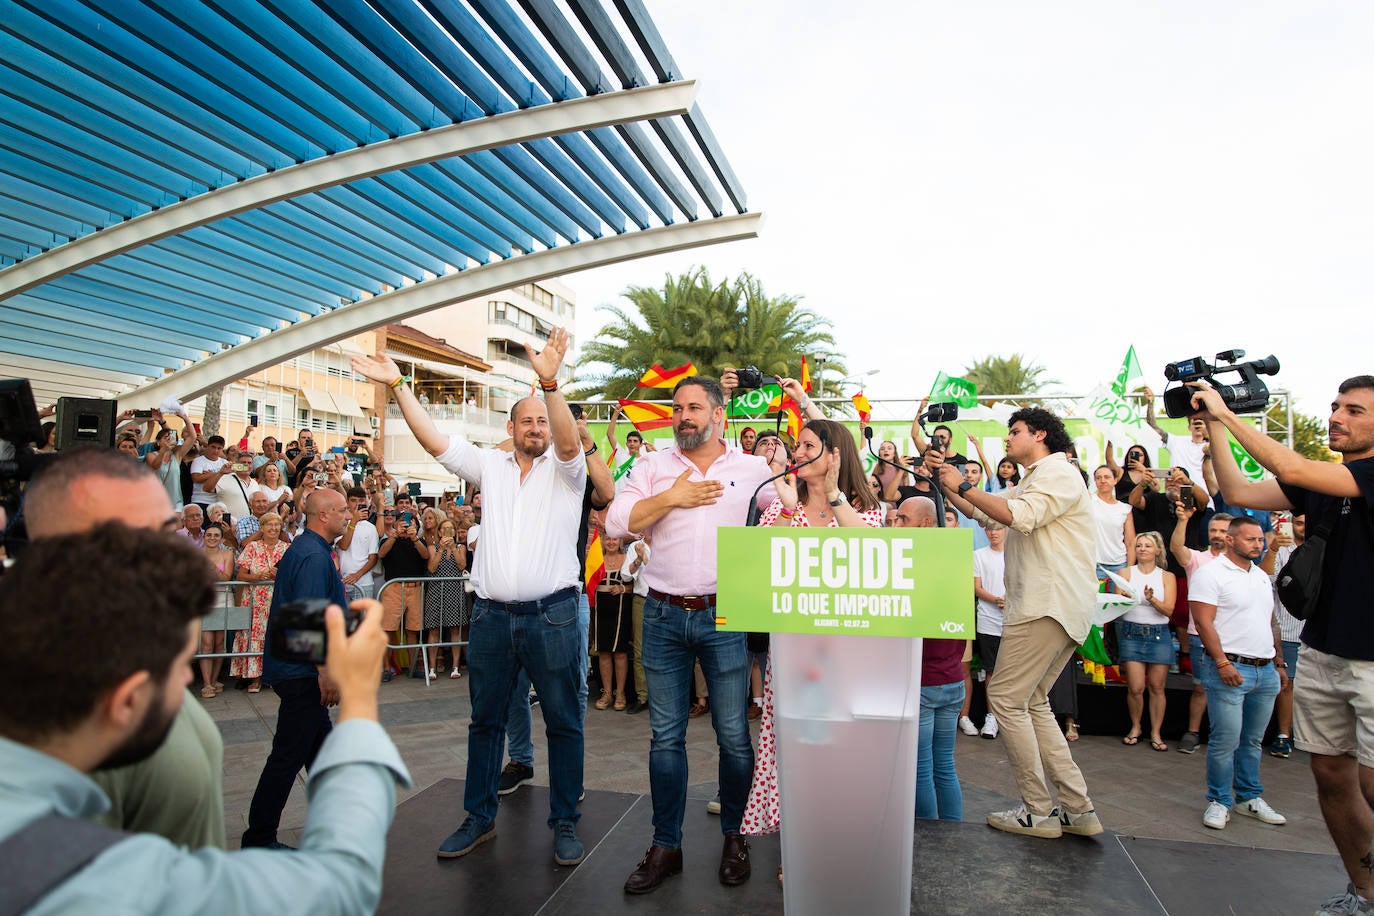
pixel 229 616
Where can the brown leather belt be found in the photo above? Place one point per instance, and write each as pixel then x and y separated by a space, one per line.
pixel 686 602
pixel 1247 660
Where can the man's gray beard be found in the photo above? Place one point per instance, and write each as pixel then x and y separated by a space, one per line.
pixel 689 441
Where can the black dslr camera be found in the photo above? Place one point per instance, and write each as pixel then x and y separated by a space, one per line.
pixel 298 635
pixel 1250 396
pixel 751 377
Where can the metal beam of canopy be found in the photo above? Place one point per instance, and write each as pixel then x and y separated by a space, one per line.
pixel 385 156
pixel 400 304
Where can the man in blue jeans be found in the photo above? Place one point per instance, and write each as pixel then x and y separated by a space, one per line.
pixel 526 579
pixel 1238 658
pixel 682 494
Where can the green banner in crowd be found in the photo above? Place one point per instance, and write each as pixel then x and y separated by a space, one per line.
pixel 950 388
pixel 751 404
pixel 860 581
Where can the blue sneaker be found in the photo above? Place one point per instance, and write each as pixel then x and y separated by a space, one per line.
pixel 567 848
pixel 1282 746
pixel 466 838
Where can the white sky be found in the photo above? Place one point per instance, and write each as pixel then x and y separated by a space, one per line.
pixel 1060 178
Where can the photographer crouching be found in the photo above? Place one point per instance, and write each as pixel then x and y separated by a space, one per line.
pixel 140 594
pixel 1333 699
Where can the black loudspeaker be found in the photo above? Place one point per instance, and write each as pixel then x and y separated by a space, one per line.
pixel 85 421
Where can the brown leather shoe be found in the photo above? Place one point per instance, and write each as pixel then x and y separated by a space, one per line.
pixel 734 861
pixel 658 863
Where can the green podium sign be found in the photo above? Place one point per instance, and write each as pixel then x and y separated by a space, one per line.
pixel 861 581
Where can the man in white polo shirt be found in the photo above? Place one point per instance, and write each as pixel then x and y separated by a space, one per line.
pixel 1233 655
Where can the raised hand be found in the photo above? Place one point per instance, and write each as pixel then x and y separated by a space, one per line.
pixel 688 494
pixel 379 368
pixel 547 360
pixel 792 388
pixel 786 488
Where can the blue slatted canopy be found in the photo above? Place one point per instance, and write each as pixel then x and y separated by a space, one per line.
pixel 118 114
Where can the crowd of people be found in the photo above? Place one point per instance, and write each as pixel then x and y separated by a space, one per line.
pixel 1191 547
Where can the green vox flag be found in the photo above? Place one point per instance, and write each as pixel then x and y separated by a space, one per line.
pixel 859 581
pixel 1129 374
pixel 750 404
pixel 1093 649
pixel 950 388
pixel 1251 468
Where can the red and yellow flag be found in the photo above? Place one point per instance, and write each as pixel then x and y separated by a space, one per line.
pixel 596 566
pixel 805 376
pixel 646 416
pixel 658 377
pixel 792 411
pixel 864 408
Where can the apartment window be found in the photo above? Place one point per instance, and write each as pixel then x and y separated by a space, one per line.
pixel 269 413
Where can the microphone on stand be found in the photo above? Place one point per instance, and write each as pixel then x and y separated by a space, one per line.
pixel 935 494
pixel 754 511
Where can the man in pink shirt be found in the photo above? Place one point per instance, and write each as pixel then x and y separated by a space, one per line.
pixel 681 495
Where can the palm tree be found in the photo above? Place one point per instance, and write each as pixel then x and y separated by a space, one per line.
pixel 711 325
pixel 1007 375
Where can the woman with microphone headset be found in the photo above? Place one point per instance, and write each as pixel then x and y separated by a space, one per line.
pixel 826 489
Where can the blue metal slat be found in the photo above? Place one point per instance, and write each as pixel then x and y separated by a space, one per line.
pixel 182 99
pixel 349 218
pixel 78 121
pixel 16 238
pixel 132 319
pixel 78 168
pixel 183 58
pixel 498 172
pixel 356 244
pixel 438 47
pixel 157 263
pixel 269 249
pixel 348 53
pixel 449 208
pixel 27 214
pixel 597 22
pixel 407 218
pixel 311 61
pixel 97 329
pixel 77 358
pixel 269 222
pixel 374 32
pixel 35 173
pixel 459 181
pixel 154 282
pixel 270 262
pixel 118 288
pixel 558 33
pixel 225 262
pixel 642 27
pixel 34 339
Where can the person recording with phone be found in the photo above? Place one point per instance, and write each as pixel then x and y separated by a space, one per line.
pixel 403 555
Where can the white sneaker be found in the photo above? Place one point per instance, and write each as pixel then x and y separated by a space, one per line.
pixel 1348 904
pixel 1085 824
pixel 1259 809
pixel 990 726
pixel 1217 816
pixel 1019 820
pixel 966 726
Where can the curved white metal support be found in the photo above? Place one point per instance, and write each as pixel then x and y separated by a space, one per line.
pixel 609 108
pixel 397 305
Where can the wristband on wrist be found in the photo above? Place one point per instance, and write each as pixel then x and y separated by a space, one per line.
pixel 1223 663
pixel 591 451
pixel 399 381
pixel 787 513
pixel 547 386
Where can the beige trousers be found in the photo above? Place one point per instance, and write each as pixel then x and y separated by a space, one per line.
pixel 1030 659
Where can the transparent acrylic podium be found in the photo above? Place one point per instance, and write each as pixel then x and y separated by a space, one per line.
pixel 846 715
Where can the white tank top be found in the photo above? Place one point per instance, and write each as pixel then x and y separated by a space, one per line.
pixel 1142 611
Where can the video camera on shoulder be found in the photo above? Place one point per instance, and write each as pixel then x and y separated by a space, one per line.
pixel 297 633
pixel 1250 396
pixel 751 377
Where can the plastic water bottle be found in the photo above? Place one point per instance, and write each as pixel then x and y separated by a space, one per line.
pixel 814 703
pixel 1173 669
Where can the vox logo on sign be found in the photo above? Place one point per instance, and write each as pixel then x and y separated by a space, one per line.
pixel 951 626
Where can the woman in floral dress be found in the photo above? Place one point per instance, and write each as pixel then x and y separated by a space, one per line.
pixel 258 563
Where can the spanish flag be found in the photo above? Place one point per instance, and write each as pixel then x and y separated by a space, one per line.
pixel 658 377
pixel 792 412
pixel 646 416
pixel 596 566
pixel 864 408
pixel 805 376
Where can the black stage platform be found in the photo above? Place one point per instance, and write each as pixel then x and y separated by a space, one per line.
pixel 960 867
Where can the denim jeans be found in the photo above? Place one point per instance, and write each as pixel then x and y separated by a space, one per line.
pixel 937 784
pixel 1239 716
pixel 674 640
pixel 519 731
pixel 548 647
